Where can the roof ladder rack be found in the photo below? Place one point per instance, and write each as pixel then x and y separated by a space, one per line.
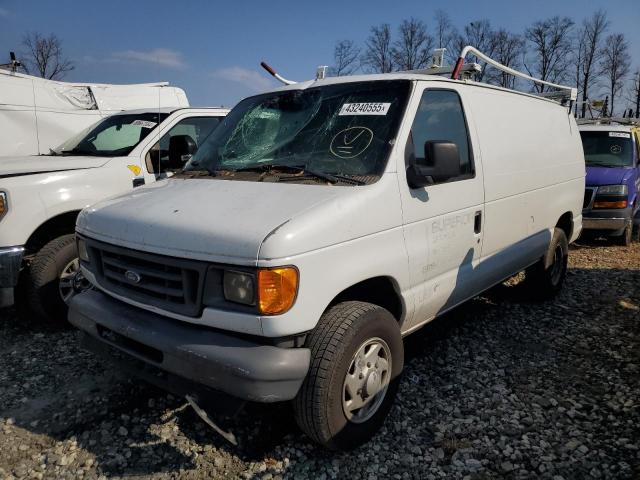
pixel 563 94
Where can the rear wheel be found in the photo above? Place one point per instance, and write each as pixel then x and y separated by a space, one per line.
pixel 546 277
pixel 53 279
pixel 356 360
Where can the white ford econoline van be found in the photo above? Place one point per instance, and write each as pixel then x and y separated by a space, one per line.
pixel 319 224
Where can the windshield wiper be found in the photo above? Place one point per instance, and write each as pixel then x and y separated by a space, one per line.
pixel 268 167
pixel 596 164
pixel 332 178
pixel 78 151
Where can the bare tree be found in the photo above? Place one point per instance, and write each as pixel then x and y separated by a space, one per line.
pixel 377 53
pixel 634 93
pixel 615 65
pixel 480 35
pixel 412 50
pixel 507 51
pixel 550 42
pixel 345 58
pixel 593 30
pixel 445 34
pixel 44 56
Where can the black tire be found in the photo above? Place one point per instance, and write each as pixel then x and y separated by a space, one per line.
pixel 627 236
pixel 546 277
pixel 340 333
pixel 635 234
pixel 43 293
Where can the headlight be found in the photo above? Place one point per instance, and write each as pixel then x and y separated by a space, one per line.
pixel 239 287
pixel 4 205
pixel 277 289
pixel 83 253
pixel 272 290
pixel 612 190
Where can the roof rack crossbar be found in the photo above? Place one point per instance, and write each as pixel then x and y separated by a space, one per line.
pixel 569 92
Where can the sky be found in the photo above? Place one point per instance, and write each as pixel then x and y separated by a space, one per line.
pixel 212 49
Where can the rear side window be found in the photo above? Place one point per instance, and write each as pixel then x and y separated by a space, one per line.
pixel 440 117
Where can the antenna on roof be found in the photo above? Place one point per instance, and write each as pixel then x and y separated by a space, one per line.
pixel 564 92
pixel 275 74
pixel 13 64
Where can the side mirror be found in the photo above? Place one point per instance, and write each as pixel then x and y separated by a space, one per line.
pixel 442 163
pixel 181 148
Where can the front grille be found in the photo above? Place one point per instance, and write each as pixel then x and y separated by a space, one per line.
pixel 588 196
pixel 169 283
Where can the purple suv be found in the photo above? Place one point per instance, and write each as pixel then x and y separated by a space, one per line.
pixel 612 197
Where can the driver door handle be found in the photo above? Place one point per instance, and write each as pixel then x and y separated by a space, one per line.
pixel 477 222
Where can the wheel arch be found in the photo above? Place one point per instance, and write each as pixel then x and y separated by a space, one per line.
pixel 383 291
pixel 565 223
pixel 61 224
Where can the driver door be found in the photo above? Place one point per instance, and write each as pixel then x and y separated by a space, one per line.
pixel 442 222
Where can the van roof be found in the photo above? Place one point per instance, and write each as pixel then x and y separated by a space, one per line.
pixel 402 76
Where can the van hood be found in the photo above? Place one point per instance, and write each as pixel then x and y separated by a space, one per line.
pixel 13 166
pixel 212 220
pixel 597 176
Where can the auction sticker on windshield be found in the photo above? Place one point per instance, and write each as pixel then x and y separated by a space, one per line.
pixel 364 109
pixel 143 123
pixel 620 134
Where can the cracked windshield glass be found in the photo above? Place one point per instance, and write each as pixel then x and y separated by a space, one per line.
pixel 338 134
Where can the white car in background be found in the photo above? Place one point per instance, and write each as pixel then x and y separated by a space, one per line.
pixel 41 196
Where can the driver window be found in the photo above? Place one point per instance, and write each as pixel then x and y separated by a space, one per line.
pixel 440 117
pixel 177 146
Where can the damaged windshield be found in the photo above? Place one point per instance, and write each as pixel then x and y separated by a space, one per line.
pixel 114 136
pixel 331 134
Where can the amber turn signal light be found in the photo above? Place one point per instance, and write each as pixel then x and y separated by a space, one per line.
pixel 3 204
pixel 618 204
pixel 277 289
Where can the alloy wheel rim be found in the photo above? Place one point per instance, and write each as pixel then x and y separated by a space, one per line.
pixel 72 281
pixel 367 380
pixel 556 268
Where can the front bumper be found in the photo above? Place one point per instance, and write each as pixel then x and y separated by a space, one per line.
pixel 236 366
pixel 10 265
pixel 604 223
pixel 616 219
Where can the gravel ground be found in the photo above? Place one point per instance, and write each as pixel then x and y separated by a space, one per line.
pixel 500 388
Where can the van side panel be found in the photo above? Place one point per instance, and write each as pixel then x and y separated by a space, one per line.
pixel 533 173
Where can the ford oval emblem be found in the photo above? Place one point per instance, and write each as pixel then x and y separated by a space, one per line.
pixel 132 277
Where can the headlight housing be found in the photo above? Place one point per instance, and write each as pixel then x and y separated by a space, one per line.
pixel 272 291
pixel 83 252
pixel 611 197
pixel 612 190
pixel 4 204
pixel 239 287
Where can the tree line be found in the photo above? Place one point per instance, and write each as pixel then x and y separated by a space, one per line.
pixel 587 55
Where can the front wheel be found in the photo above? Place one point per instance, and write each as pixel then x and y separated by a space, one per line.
pixel 546 277
pixel 54 278
pixel 356 361
pixel 627 236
